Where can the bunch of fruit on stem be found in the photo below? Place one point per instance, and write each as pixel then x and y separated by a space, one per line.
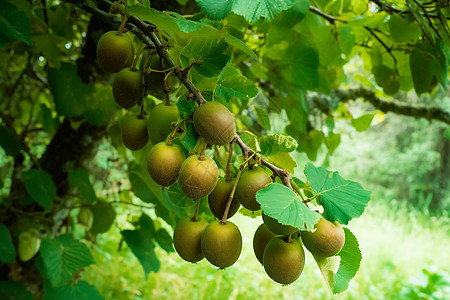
pixel 278 247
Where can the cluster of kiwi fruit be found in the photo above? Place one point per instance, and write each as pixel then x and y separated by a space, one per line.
pixel 277 247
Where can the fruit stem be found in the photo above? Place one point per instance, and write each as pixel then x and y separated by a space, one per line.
pixel 122 25
pixel 172 135
pixel 289 238
pixel 230 156
pixel 202 154
pixel 230 197
pixel 137 57
pixel 142 113
pixel 197 206
pixel 167 88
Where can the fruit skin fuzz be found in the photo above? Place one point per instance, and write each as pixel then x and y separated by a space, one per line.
pixel 198 177
pixel 164 163
pixel 327 240
pixel 114 51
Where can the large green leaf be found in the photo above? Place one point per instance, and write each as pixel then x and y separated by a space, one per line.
pixel 164 239
pixel 81 290
pixel 340 269
pixel 185 108
pixel 7 250
pixel 276 143
pixel 14 23
pixel 252 11
pixel 215 9
pixel 40 187
pixel 232 83
pixel 99 105
pixel 63 257
pixel 139 177
pixel 104 215
pixel 404 29
pixel 69 91
pixel 9 141
pixel 303 66
pixel 283 160
pixel 283 204
pixel 14 290
pixel 140 242
pixel 79 179
pixel 342 199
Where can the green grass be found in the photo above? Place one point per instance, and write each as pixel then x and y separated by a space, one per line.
pixel 397 244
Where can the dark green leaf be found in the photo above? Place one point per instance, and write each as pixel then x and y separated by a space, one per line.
pixel 252 11
pixel 232 83
pixel 363 123
pixel 185 108
pixel 40 187
pixel 281 203
pixel 14 290
pixel 215 9
pixel 9 141
pixel 69 91
pixel 14 23
pixel 78 291
pixel 63 257
pixel 7 250
pixel 276 143
pixel 237 43
pixel 190 137
pixel 139 180
pixel 79 179
pixel 104 216
pixel 99 105
pixel 342 199
pixel 164 240
pixel 140 242
pixel 210 49
pixel 303 66
pixel 49 123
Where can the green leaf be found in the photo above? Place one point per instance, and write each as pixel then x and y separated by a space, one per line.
pixel 303 66
pixel 48 45
pixel 332 142
pixel 99 105
pixel 140 242
pixel 79 179
pixel 404 29
pixel 190 137
pixel 363 123
pixel 310 143
pixel 40 187
pixel 7 250
pixel 283 204
pixel 276 143
pixel 232 83
pixel 164 240
pixel 82 290
pixel 69 91
pixel 9 141
pixel 14 23
pixel 283 160
pixel 104 215
pixel 252 11
pixel 64 257
pixel 138 180
pixel 342 199
pixel 350 262
pixel 14 290
pixel 49 123
pixel 215 9
pixel 185 108
pixel 237 43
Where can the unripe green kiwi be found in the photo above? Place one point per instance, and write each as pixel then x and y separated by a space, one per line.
pixel 164 162
pixel 198 177
pixel 85 217
pixel 214 122
pixel 187 238
pixel 284 260
pixel 29 244
pixel 222 244
pixel 159 121
pixel 260 240
pixel 127 90
pixel 327 240
pixel 250 182
pixel 218 199
pixel 276 227
pixel 114 51
pixel 154 81
pixel 134 133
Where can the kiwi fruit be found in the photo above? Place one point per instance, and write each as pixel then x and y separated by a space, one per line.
pixel 284 260
pixel 154 81
pixel 250 182
pixel 114 51
pixel 218 199
pixel 187 238
pixel 164 162
pixel 127 90
pixel 221 244
pixel 135 133
pixel 160 120
pixel 198 177
pixel 327 240
pixel 260 240
pixel 276 227
pixel 215 123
